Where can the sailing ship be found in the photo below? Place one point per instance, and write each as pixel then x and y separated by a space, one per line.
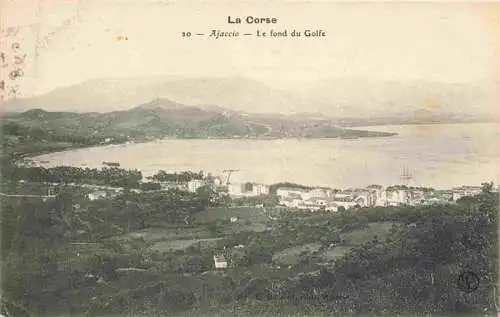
pixel 405 176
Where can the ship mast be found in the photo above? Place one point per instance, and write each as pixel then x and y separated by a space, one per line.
pixel 406 176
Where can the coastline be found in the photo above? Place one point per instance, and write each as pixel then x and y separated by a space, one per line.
pixel 342 162
pixel 74 147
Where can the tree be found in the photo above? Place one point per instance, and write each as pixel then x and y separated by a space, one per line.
pixel 208 196
pixel 240 258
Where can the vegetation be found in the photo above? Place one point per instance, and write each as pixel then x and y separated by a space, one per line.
pixel 151 253
pixel 163 176
pixel 158 120
pixel 137 252
pixel 113 176
pixel 261 200
pixel 273 188
pixel 21 138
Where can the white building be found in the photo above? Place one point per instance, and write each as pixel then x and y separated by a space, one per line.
pixel 220 261
pixel 173 185
pixel 247 189
pixel 194 184
pixel 363 200
pixel 467 191
pixel 315 193
pixel 97 195
pixel 320 202
pixel 395 197
pixel 290 202
pixel 332 207
pixel 287 192
pixel 217 182
pixel 457 195
pixel 472 190
pixel 346 202
pixel 260 189
pixel 312 204
pixel 342 196
pixel 381 198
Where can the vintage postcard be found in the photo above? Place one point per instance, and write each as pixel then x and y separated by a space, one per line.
pixel 249 158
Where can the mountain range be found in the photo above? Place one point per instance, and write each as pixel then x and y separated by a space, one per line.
pixel 160 118
pixel 337 99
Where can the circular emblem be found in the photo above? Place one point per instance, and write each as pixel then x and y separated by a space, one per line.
pixel 468 281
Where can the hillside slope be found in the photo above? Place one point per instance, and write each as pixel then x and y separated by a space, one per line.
pixel 164 118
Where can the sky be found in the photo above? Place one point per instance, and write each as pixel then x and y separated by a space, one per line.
pixel 71 41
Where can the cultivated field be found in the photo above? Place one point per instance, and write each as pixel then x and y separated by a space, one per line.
pixel 291 255
pixel 380 230
pixel 252 214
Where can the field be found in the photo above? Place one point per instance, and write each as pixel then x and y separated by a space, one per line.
pixel 375 229
pixel 335 253
pixel 252 214
pixel 248 219
pixel 166 237
pixel 164 246
pixel 170 233
pixel 291 255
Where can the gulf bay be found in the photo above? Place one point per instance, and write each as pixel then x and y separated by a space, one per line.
pixel 438 155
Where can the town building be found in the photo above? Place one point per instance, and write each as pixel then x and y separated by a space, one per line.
pixel 291 202
pixel 247 189
pixel 463 191
pixel 97 195
pixel 217 182
pixel 173 185
pixel 332 207
pixel 315 193
pixel 317 202
pixel 288 192
pixel 346 202
pixel 457 195
pixel 194 184
pixel 220 261
pixel 260 189
pixel 395 197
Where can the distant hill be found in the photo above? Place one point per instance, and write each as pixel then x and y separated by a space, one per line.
pixel 164 118
pixel 334 98
pixel 104 95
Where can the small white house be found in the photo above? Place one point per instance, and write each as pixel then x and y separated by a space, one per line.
pixel 457 195
pixel 217 182
pixel 234 219
pixel 97 195
pixel 220 261
pixel 286 192
pixel 332 207
pixel 315 193
pixel 260 189
pixel 194 184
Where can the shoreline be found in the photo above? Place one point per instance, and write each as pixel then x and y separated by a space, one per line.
pixel 383 135
pixel 70 148
pixel 110 152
